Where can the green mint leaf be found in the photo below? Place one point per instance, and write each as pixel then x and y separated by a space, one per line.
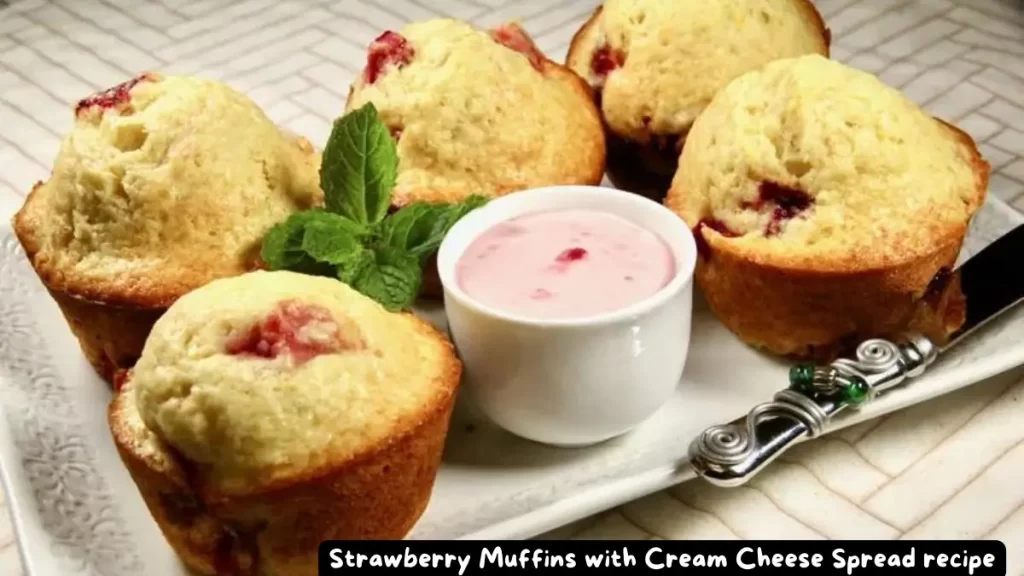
pixel 391 276
pixel 285 245
pixel 411 225
pixel 282 245
pixel 443 223
pixel 332 239
pixel 459 210
pixel 419 228
pixel 359 166
pixel 350 270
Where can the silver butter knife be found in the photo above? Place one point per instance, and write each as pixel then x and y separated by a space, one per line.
pixel 991 281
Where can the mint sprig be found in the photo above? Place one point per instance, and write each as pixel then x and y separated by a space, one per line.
pixel 353 238
pixel 359 167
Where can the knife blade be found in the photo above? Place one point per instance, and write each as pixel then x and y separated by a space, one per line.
pixel 991 283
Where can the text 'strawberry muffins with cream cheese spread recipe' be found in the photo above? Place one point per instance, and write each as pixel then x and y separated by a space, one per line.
pixel 163 184
pixel 827 205
pixel 654 65
pixel 274 410
pixel 478 112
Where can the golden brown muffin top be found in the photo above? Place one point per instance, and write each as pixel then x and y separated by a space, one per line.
pixel 809 163
pixel 163 184
pixel 267 376
pixel 478 112
pixel 658 63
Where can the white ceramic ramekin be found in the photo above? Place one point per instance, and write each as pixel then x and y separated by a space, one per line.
pixel 572 382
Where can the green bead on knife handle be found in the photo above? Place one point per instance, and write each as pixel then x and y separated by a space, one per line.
pixel 810 379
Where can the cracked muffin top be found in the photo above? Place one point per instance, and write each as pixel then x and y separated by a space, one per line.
pixel 809 163
pixel 657 64
pixel 274 375
pixel 478 112
pixel 163 184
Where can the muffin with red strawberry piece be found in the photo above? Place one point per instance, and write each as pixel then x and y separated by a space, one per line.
pixel 272 411
pixel 654 65
pixel 478 112
pixel 828 208
pixel 163 184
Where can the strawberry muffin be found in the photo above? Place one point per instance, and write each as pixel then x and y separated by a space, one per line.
pixel 163 184
pixel 478 112
pixel 274 410
pixel 654 65
pixel 828 207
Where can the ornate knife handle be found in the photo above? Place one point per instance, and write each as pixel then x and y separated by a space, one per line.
pixel 729 455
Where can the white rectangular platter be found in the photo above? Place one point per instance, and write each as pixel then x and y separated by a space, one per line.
pixel 77 511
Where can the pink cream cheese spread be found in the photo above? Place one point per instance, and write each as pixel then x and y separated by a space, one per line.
pixel 564 264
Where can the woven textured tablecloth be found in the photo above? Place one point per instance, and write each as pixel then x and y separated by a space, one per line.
pixel 951 468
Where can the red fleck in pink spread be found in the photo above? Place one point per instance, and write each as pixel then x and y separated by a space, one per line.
pixel 389 49
pixel 111 97
pixel 302 331
pixel 565 264
pixel 572 255
pixel 515 38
